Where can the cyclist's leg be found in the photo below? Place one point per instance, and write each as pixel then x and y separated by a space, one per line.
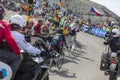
pixel 73 42
pixel 68 41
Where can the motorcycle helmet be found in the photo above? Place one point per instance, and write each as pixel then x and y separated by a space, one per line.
pixel 17 20
pixel 116 32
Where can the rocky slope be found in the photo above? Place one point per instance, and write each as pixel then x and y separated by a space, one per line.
pixel 83 8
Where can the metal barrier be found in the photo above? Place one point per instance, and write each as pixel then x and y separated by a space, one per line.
pixel 85 28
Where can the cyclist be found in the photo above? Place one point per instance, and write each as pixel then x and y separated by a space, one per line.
pixel 57 39
pixel 13 58
pixel 74 28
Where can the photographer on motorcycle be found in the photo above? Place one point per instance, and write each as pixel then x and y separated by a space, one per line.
pixel 17 23
pixel 14 57
pixel 113 39
pixel 110 60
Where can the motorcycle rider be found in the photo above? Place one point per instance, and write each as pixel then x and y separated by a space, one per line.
pixel 114 40
pixel 17 23
pixel 14 57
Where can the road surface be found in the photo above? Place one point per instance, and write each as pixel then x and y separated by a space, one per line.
pixel 84 63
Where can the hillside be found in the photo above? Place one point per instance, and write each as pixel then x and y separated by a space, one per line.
pixel 82 7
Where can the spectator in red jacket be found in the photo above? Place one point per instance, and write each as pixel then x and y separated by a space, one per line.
pixel 37 28
pixel 13 58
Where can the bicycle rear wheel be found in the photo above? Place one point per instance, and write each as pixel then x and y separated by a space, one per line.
pixel 60 60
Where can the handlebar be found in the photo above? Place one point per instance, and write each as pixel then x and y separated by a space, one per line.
pixel 42 54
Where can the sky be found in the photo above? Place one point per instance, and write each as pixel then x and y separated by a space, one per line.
pixel 112 5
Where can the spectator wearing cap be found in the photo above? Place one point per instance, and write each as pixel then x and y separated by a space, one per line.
pixel 45 30
pixel 28 27
pixel 28 30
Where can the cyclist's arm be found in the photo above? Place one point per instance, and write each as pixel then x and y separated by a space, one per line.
pixel 64 40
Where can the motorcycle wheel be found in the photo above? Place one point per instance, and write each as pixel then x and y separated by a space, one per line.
pixel 112 76
pixel 103 65
pixel 40 76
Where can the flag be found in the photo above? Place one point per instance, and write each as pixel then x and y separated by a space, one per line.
pixel 95 11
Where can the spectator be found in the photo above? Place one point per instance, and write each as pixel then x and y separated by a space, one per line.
pixel 37 28
pixel 28 30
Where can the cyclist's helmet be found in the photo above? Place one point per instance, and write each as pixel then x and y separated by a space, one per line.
pixel 50 19
pixel 17 20
pixel 2 11
pixel 59 31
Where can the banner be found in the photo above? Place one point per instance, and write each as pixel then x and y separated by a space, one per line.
pixel 101 33
pixel 98 32
pixel 93 31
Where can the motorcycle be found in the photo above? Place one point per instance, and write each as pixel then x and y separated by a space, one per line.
pixel 40 72
pixel 36 63
pixel 110 59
